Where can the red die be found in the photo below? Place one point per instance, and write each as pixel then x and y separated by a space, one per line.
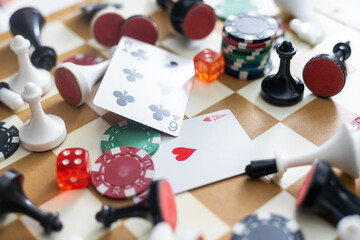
pixel 209 65
pixel 73 168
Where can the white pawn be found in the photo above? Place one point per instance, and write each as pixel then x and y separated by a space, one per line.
pixel 74 82
pixel 348 228
pixel 306 25
pixel 42 131
pixel 10 98
pixel 27 72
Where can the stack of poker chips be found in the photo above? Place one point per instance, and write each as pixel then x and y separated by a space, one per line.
pixel 247 43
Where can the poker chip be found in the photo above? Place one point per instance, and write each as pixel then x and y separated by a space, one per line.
pixel 122 172
pixel 130 133
pixel 9 140
pixel 230 7
pixel 84 59
pixel 249 75
pixel 242 45
pixel 250 27
pixel 265 225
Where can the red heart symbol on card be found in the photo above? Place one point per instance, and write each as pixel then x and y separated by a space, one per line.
pixel 207 119
pixel 183 153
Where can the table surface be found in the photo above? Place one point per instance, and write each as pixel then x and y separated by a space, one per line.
pixel 215 208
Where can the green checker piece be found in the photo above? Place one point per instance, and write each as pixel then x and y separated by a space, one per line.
pixel 132 134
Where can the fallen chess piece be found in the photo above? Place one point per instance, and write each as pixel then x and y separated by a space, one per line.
pixel 27 72
pixel 75 82
pixel 324 194
pixel 10 98
pixel 163 231
pixel 325 74
pixel 342 151
pixel 43 131
pixel 191 18
pixel 159 206
pixel 348 228
pixel 28 23
pixel 282 88
pixel 13 199
pixel 306 25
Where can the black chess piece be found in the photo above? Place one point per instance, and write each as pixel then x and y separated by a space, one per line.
pixel 13 199
pixel 281 88
pixel 325 74
pixel 28 23
pixel 324 194
pixel 159 206
pixel 192 18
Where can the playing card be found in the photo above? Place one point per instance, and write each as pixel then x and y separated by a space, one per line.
pixel 209 148
pixel 148 85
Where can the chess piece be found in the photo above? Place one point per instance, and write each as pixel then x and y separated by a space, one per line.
pixel 159 206
pixel 10 98
pixel 27 72
pixel 105 26
pixel 325 74
pixel 281 88
pixel 192 18
pixel 306 25
pixel 43 131
pixel 340 151
pixel 348 228
pixel 324 194
pixel 13 199
pixel 75 82
pixel 28 22
pixel 141 28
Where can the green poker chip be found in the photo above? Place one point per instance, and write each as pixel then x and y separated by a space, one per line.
pixel 132 134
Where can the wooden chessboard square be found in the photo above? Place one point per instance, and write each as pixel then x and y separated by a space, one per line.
pixel 319 120
pixel 252 93
pixel 288 143
pixel 118 231
pixel 16 230
pixel 204 94
pixel 78 218
pixel 139 227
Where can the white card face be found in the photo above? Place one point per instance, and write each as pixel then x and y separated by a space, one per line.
pixel 148 85
pixel 209 148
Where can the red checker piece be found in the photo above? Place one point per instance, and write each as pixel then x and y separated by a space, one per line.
pixel 324 77
pixel 68 86
pixel 122 172
pixel 167 204
pixel 84 59
pixel 199 22
pixel 105 27
pixel 141 28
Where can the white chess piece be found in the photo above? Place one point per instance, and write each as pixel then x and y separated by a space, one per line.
pixel 27 72
pixel 306 25
pixel 43 131
pixel 349 228
pixel 10 98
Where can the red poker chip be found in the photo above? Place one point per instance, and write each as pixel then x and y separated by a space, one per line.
pixel 84 59
pixel 122 172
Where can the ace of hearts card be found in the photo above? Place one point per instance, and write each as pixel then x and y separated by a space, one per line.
pixel 209 148
pixel 148 85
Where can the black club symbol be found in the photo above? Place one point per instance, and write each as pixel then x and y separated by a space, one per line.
pixel 127 45
pixel 132 74
pixel 123 98
pixel 140 54
pixel 160 113
pixel 171 64
pixel 175 117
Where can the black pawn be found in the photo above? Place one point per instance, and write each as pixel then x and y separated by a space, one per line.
pixel 281 88
pixel 325 74
pixel 201 16
pixel 28 23
pixel 324 194
pixel 13 199
pixel 159 206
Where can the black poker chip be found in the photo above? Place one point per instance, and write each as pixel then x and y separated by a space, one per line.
pixel 265 225
pixel 250 27
pixel 9 140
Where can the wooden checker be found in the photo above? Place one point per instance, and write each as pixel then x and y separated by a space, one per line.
pixel 212 209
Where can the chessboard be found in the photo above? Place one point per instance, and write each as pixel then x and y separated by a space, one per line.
pixel 212 209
